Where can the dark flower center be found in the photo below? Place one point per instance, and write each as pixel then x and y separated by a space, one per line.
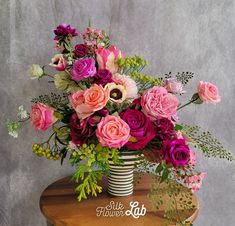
pixel 116 94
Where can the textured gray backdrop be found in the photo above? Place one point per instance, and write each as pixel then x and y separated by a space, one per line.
pixel 174 35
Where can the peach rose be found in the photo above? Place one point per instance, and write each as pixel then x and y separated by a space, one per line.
pixel 208 92
pixel 89 101
pixel 112 131
pixel 42 116
pixel 158 103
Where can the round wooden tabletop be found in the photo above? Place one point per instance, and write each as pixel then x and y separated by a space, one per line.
pixel 59 206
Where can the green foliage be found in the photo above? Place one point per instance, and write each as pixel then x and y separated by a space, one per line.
pixel 145 81
pixel 89 183
pixel 54 100
pixel 86 158
pixel 64 83
pixel 209 145
pixel 131 64
pixel 183 77
pixel 117 107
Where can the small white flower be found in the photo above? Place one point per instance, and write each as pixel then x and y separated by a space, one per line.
pixel 13 134
pixel 22 114
pixel 35 71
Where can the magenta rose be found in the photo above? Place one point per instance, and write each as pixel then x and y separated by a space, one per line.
pixel 157 103
pixel 208 92
pixel 80 50
pixel 42 116
pixel 112 131
pixel 83 68
pixel 102 77
pixel 142 130
pixel 165 129
pixel 63 30
pixel 175 152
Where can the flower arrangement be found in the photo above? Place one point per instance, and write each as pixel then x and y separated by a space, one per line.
pixel 107 106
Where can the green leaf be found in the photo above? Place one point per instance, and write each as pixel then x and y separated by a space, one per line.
pixel 159 168
pixel 64 82
pixel 165 174
pixel 178 127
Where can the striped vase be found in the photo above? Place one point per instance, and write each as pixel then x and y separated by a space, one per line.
pixel 120 179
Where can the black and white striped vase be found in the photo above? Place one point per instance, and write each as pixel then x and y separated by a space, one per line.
pixel 120 179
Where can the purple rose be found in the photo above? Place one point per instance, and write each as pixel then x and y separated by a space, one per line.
pixel 63 30
pixel 165 129
pixel 83 68
pixel 80 130
pixel 176 152
pixel 102 77
pixel 80 50
pixel 142 130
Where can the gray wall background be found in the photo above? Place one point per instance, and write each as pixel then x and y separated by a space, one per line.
pixel 173 35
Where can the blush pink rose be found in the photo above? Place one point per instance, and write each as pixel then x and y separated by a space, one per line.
pixel 106 58
pixel 42 116
pixel 85 103
pixel 112 131
pixel 158 103
pixel 208 92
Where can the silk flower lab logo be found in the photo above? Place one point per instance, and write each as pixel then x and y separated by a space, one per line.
pixel 118 210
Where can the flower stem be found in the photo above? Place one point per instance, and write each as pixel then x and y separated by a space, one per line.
pixel 191 101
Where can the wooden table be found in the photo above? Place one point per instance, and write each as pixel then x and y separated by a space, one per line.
pixel 59 206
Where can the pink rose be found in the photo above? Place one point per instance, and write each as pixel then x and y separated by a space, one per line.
pixel 58 62
pixel 158 103
pixel 89 101
pixel 42 116
pixel 112 131
pixel 208 92
pixel 194 182
pixel 106 58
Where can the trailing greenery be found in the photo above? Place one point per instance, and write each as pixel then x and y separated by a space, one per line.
pixel 204 140
pixel 173 199
pixel 85 159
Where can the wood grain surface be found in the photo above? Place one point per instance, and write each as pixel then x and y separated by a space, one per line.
pixel 59 206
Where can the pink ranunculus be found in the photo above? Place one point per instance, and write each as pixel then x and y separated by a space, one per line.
pixel 58 62
pixel 174 86
pixel 112 131
pixel 208 92
pixel 157 103
pixel 89 101
pixel 194 182
pixel 106 58
pixel 42 116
